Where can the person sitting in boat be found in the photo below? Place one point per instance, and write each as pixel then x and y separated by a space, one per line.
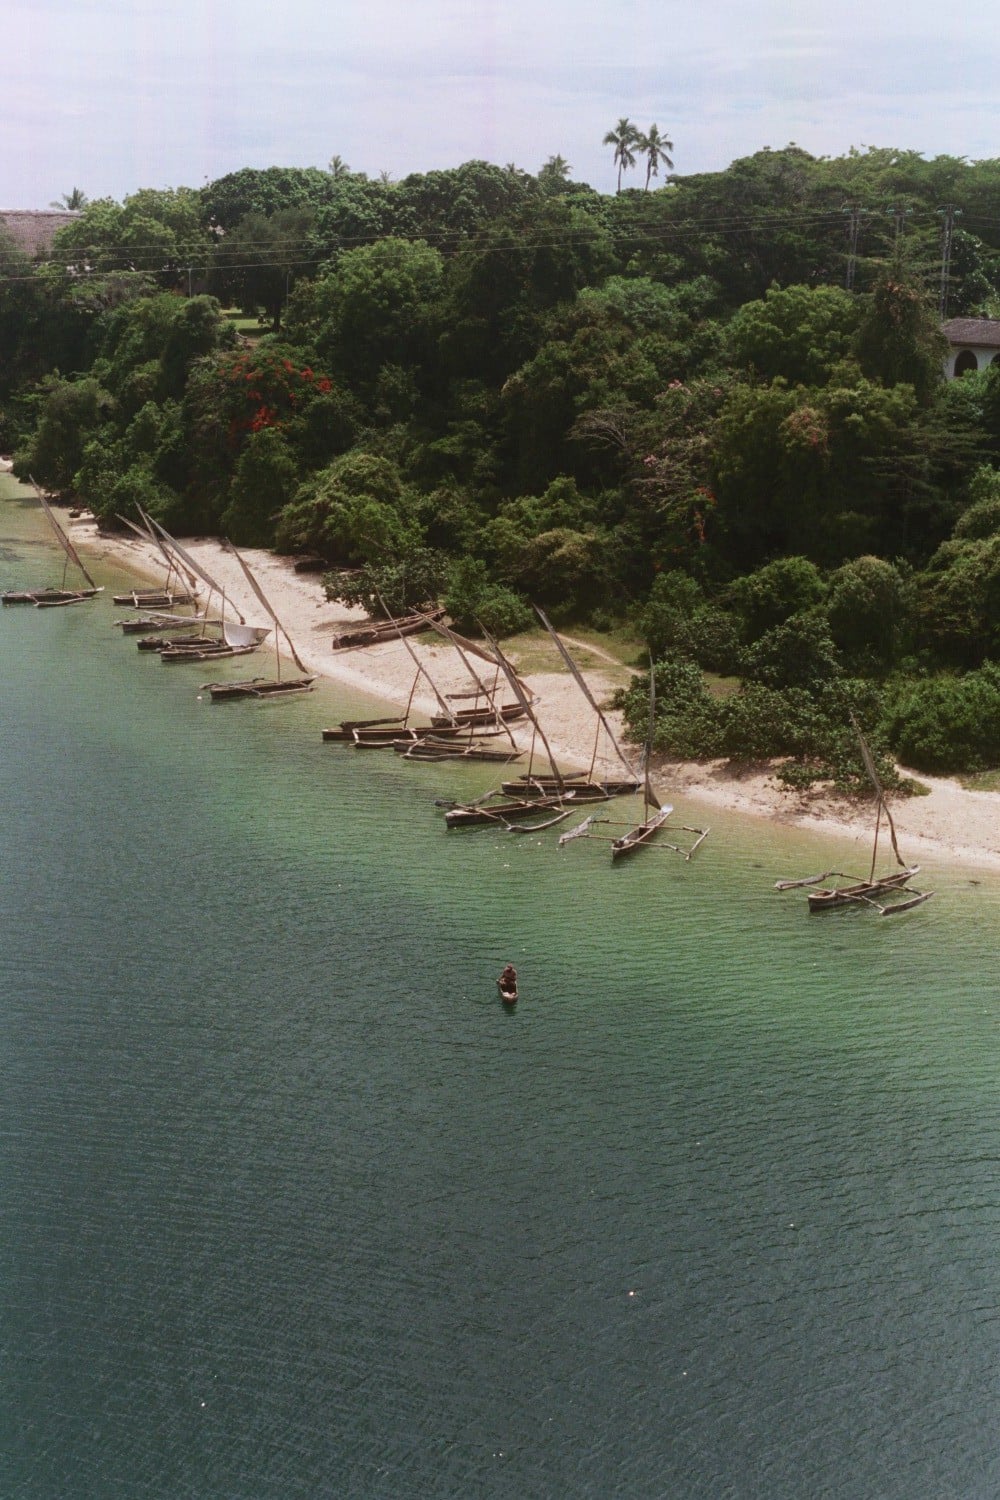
pixel 508 979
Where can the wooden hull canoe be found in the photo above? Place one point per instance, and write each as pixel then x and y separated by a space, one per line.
pixel 385 630
pixel 152 599
pixel 179 643
pixel 505 713
pixel 172 654
pixel 49 598
pixel 227 692
pixel 386 737
pixel 643 833
pixel 458 750
pixel 531 786
pixel 867 892
pixel 145 623
pixel 514 808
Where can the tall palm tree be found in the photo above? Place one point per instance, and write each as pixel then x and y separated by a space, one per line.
pixel 556 166
pixel 554 175
pixel 338 167
pixel 624 136
pixel 74 201
pixel 655 148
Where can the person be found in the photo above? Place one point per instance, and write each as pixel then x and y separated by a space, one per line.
pixel 508 979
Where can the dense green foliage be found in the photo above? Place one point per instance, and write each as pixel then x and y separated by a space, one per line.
pixel 702 409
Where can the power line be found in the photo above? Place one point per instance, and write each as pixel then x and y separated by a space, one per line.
pixel 303 254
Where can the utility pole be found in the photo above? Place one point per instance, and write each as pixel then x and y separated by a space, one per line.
pixel 853 230
pixel 949 214
pixel 899 214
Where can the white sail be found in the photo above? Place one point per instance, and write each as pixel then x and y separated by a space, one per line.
pixel 242 636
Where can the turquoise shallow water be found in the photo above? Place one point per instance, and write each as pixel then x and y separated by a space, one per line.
pixel 292 1207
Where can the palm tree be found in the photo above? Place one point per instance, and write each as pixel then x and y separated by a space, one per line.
pixel 74 201
pixel 554 176
pixel 655 148
pixel 338 167
pixel 623 138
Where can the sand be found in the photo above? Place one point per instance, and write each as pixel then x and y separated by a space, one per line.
pixel 949 825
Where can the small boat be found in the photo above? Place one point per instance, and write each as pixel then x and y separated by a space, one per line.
pixel 199 641
pixel 507 985
pixel 871 891
pixel 654 815
pixel 506 713
pixel 612 786
pixel 430 747
pixel 153 599
pixel 500 814
pixel 260 687
pixel 237 640
pixel 139 624
pixel 377 631
pixel 385 736
pixel 642 832
pixel 344 732
pixel 180 587
pixel 51 598
pixel 540 786
pixel 866 892
pixel 48 598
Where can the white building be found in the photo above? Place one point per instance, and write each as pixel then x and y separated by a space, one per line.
pixel 973 344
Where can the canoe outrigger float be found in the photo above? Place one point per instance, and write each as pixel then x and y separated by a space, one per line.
pixel 861 892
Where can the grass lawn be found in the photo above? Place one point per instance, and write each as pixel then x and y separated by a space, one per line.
pixel 609 651
pixel 251 327
pixel 980 781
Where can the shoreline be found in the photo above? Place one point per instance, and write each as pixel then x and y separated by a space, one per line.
pixel 950 825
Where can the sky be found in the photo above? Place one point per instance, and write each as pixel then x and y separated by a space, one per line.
pixel 116 95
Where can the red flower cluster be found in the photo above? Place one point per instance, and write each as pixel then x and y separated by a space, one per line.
pixel 263 391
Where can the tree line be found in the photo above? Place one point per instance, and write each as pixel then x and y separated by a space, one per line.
pixel 712 411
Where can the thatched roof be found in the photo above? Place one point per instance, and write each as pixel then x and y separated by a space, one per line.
pixel 983 332
pixel 33 229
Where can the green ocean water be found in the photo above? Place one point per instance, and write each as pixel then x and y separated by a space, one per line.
pixel 292 1207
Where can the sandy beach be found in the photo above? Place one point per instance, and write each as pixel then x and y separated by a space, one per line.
pixel 950 824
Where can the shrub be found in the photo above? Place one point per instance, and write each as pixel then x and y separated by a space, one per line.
pixel 868 609
pixel 687 718
pixel 798 654
pixel 475 602
pixel 948 724
pixel 711 638
pixel 789 586
pixel 760 722
pixel 412 582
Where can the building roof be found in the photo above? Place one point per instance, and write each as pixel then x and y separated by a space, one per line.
pixel 985 332
pixel 33 229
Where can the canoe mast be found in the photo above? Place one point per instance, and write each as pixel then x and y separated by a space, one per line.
pixel 279 629
pixel 71 553
pixel 584 688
